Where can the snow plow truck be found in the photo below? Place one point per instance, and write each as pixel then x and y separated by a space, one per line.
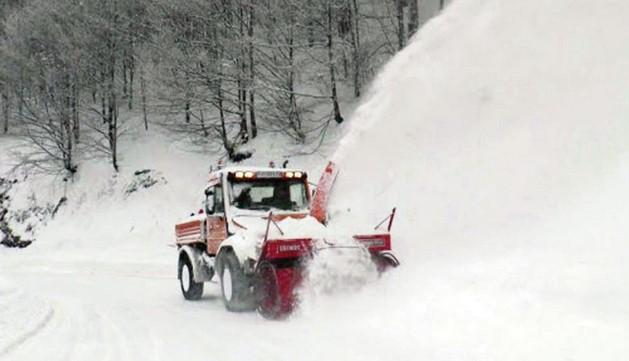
pixel 257 229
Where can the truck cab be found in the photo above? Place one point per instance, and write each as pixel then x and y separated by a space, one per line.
pixel 237 194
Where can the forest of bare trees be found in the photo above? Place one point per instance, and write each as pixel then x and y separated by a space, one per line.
pixel 215 71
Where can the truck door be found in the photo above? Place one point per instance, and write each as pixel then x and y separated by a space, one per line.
pixel 216 224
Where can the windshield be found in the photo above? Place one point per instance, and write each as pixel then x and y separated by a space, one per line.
pixel 268 194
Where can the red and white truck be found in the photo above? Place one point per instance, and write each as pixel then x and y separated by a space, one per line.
pixel 238 237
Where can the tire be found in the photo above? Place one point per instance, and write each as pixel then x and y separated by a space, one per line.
pixel 235 286
pixel 190 289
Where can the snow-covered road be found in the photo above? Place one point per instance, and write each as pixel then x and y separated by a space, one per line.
pixel 92 311
pixel 82 310
pixel 490 303
pixel 96 312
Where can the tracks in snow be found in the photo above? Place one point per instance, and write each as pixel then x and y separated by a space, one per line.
pixel 70 313
pixel 23 317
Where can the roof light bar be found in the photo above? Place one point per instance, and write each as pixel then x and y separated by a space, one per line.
pixel 241 174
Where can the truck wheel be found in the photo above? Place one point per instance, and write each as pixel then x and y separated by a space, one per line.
pixel 190 289
pixel 235 290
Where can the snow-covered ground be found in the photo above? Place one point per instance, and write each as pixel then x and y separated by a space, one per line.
pixel 500 133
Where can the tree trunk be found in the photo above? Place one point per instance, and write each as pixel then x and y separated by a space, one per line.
pixel 242 69
pixel 187 109
pixel 334 97
pixel 111 130
pixel 413 20
pixel 20 99
pixel 356 48
pixel 66 124
pixel 252 112
pixel 400 23
pixel 188 99
pixel 242 109
pixel 76 127
pixel 293 112
pixel 124 74
pixel 5 112
pixel 143 90
pixel 131 80
pixel 221 112
pixel 103 98
pixel 112 125
pixel 112 119
pixel 203 128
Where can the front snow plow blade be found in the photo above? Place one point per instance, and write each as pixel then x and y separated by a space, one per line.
pixel 281 269
pixel 278 275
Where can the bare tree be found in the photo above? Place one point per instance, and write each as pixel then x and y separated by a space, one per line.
pixel 213 72
pixel 279 68
pixel 45 57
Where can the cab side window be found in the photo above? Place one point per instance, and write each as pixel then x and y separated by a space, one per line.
pixel 219 205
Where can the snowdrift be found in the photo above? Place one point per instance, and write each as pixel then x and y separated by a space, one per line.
pixel 500 133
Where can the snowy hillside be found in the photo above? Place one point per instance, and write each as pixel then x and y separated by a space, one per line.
pixel 506 154
pixel 499 133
